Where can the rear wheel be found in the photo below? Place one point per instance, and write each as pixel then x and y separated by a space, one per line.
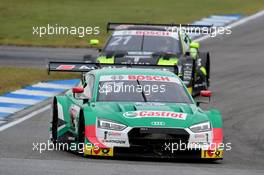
pixel 208 68
pixel 205 62
pixel 202 73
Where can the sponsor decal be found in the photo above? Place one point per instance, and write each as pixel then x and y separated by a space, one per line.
pixel 152 33
pixel 103 152
pixel 212 154
pixel 65 67
pixel 149 104
pixel 145 32
pixel 114 141
pixel 111 134
pixel 148 78
pixel 76 67
pixel 106 151
pixel 199 144
pixel 158 123
pixel 85 67
pixel 200 136
pixel 140 78
pixel 162 114
pixel 97 151
pixel 111 138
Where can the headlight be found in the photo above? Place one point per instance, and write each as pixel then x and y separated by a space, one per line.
pixel 201 127
pixel 110 125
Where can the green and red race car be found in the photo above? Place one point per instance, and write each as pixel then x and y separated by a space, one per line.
pixel 158 44
pixel 134 110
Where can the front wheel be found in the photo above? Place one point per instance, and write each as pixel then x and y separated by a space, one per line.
pixel 81 133
pixel 54 124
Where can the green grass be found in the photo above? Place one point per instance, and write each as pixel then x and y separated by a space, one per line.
pixel 13 78
pixel 17 17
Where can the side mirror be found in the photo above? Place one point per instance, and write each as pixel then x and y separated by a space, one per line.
pixel 204 93
pixel 94 42
pixel 78 94
pixel 194 45
pixel 77 90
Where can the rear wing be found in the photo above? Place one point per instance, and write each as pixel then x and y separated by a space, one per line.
pixel 126 26
pixel 83 67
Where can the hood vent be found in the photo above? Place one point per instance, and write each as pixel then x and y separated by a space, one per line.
pixel 153 107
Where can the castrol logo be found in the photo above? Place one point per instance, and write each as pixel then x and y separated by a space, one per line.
pixel 161 114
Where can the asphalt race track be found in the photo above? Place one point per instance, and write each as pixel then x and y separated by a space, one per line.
pixel 238 86
pixel 37 57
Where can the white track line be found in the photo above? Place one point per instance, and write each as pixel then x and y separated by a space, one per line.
pixel 224 17
pixel 52 85
pixel 35 92
pixel 9 109
pixel 1 122
pixel 18 100
pixel 213 20
pixel 237 23
pixel 28 116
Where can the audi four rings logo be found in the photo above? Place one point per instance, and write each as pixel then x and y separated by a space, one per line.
pixel 157 123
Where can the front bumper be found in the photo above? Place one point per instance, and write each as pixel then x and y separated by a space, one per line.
pixel 153 143
pixel 186 154
pixel 145 152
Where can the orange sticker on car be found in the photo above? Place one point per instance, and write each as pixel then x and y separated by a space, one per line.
pixel 96 151
pixel 213 154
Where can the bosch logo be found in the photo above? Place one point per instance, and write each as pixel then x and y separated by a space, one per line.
pixel 158 123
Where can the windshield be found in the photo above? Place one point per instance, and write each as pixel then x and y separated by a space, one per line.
pixel 140 88
pixel 145 41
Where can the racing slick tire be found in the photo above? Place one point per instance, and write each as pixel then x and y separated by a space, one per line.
pixel 81 129
pixel 54 123
pixel 81 133
pixel 202 73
